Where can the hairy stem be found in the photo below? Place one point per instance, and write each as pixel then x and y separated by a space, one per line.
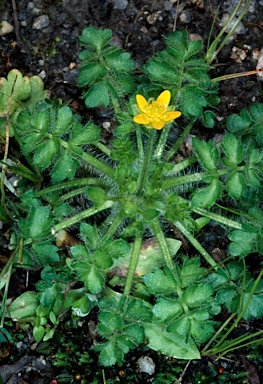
pixel 81 216
pixel 157 229
pixel 195 243
pixel 136 249
pixel 144 174
pixel 91 160
pixel 173 150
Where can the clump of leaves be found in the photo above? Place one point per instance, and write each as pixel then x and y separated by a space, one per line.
pixel 133 191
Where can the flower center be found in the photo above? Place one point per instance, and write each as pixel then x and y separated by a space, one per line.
pixel 155 110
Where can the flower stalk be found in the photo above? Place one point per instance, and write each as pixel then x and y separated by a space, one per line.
pixel 136 249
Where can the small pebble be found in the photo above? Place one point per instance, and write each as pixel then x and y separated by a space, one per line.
pixel 5 28
pixel 168 5
pixel 146 365
pixel 41 22
pixel 185 17
pixel 35 11
pixel 120 4
pixel 42 75
pixel 30 6
pixel 238 55
pixel 239 29
pixel 106 125
pixel 260 64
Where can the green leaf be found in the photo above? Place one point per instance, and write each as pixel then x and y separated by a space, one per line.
pixel 45 152
pixel 110 354
pixel 207 154
pixel 88 134
pixel 255 307
pixel 41 121
pixel 170 344
pixel 13 90
pixel 24 306
pixel 64 168
pixel 90 234
pixel 201 331
pixel 167 309
pixel 96 195
pixel 119 61
pixel 80 252
pixel 233 150
pixel 193 48
pixel 236 185
pixel 193 101
pixel 180 326
pixel 4 336
pixel 257 214
pixel 160 71
pixel 206 197
pixel 252 178
pixel 62 210
pixel 52 318
pixel 46 254
pixel 64 119
pixel 42 311
pixel 92 278
pixel 49 334
pixel 149 214
pixel 256 111
pixel 117 248
pixel 95 38
pixel 82 307
pixel 238 124
pixel 135 333
pixel 209 119
pixel 191 272
pixel 37 225
pixel 37 92
pixel 159 282
pixel 254 155
pixel 30 141
pixel 50 295
pixel 102 260
pixel 138 310
pixel 125 127
pixel 225 296
pixel 98 94
pixel 109 323
pixel 242 243
pixel 91 72
pixel 38 333
pixel 196 295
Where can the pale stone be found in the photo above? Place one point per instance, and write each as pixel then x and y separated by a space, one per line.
pixel 5 28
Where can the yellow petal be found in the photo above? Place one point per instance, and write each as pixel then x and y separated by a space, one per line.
pixel 142 103
pixel 164 98
pixel 158 124
pixel 141 119
pixel 169 116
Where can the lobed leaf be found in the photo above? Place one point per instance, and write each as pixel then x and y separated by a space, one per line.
pixel 95 38
pixel 170 344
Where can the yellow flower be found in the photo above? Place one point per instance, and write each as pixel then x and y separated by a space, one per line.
pixel 155 114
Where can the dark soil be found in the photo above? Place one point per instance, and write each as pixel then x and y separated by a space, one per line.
pixel 51 51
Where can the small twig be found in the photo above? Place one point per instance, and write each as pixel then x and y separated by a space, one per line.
pixel 6 147
pixel 18 39
pixel 180 380
pixel 235 75
pixel 176 15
